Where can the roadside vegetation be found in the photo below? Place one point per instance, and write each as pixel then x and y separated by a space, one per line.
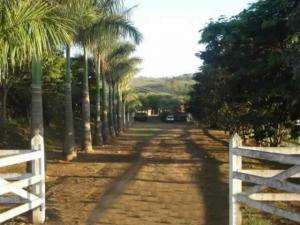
pixel 249 82
pixel 85 97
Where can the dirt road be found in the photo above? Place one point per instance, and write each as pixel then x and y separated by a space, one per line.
pixel 155 174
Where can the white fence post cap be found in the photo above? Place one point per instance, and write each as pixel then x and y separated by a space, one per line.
pixel 236 140
pixel 37 142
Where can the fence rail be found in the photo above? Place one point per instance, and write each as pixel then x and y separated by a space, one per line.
pixel 256 195
pixel 27 190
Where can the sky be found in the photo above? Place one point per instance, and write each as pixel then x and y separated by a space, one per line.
pixel 171 32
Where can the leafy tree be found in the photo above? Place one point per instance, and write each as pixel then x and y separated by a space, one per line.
pixel 246 83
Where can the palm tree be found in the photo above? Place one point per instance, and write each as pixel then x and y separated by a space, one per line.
pixel 120 66
pixel 114 54
pixel 28 30
pixel 69 151
pixel 111 120
pixel 125 94
pixel 98 134
pixel 104 35
pixel 101 48
pixel 78 12
pixel 104 107
pixel 130 101
pixel 110 19
pixel 124 73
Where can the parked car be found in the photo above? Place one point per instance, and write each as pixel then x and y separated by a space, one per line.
pixel 141 117
pixel 170 119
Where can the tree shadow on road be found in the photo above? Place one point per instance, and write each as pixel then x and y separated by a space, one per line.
pixel 211 187
pixel 214 138
pixel 120 184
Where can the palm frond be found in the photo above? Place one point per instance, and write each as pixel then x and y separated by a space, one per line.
pixel 30 28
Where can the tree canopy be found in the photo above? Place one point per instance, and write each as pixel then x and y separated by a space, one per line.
pixel 248 80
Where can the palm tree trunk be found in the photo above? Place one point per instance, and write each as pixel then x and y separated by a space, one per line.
pixel 128 117
pixel 69 151
pixel 86 110
pixel 37 127
pixel 104 111
pixel 114 110
pixel 110 109
pixel 120 114
pixel 124 122
pixel 99 140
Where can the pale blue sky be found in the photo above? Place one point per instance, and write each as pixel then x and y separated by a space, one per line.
pixel 170 29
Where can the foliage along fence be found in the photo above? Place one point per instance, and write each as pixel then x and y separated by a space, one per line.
pixel 263 179
pixel 26 190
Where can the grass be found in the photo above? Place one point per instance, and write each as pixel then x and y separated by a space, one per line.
pixel 256 221
pixel 254 217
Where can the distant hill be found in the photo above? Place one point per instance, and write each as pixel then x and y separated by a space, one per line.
pixel 179 85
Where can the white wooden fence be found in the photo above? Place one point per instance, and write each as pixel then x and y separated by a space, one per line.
pixel 26 190
pixel 263 179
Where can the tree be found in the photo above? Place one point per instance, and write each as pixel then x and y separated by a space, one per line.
pixel 131 102
pixel 105 51
pixel 119 65
pixel 28 30
pixel 111 19
pixel 246 83
pixel 80 13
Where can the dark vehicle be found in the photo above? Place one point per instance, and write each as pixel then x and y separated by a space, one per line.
pixel 141 117
pixel 170 119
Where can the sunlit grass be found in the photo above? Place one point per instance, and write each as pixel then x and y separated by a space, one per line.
pixel 256 221
pixel 252 217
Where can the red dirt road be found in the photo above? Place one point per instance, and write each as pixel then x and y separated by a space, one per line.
pixel 155 174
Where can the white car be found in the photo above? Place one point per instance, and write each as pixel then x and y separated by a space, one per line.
pixel 170 119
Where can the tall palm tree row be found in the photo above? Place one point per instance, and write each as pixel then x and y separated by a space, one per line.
pixel 108 47
pixel 81 13
pixel 120 67
pixel 31 28
pixel 95 21
pixel 130 101
pixel 123 89
pixel 112 19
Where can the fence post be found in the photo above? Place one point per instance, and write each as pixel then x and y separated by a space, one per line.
pixel 38 168
pixel 235 185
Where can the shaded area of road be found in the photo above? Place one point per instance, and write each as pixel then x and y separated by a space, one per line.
pixel 120 184
pixel 211 186
pixel 155 174
pixel 211 189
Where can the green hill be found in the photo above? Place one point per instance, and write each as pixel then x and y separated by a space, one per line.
pixel 179 85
